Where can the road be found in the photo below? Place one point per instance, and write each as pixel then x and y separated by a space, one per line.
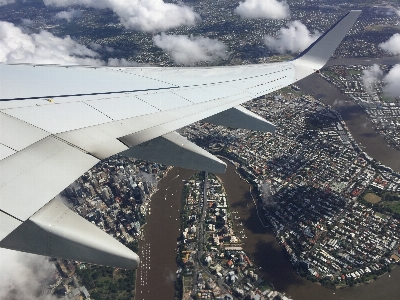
pixel 200 234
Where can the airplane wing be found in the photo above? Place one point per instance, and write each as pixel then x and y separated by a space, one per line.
pixel 59 121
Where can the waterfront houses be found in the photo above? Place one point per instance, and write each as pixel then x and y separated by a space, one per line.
pixel 382 110
pixel 211 260
pixel 332 207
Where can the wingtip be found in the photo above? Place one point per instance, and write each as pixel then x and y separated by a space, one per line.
pixel 319 52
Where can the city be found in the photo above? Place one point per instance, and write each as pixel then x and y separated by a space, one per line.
pixel 100 30
pixel 334 209
pixel 318 191
pixel 385 114
pixel 211 261
pixel 313 175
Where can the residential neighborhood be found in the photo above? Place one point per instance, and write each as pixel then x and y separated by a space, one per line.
pixel 332 207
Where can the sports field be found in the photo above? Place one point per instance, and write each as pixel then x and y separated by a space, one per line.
pixel 372 198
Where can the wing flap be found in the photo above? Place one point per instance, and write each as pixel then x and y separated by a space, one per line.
pixel 36 174
pixel 56 231
pixel 176 119
pixel 57 118
pixel 101 141
pixel 239 117
pixel 174 149
pixel 122 107
pixel 17 134
pixel 5 151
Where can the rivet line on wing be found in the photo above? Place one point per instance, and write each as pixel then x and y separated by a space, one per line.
pixel 98 110
pixel 8 147
pixel 70 144
pixel 183 98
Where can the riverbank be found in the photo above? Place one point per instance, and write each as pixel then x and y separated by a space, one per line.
pixel 390 60
pixel 355 118
pixel 157 251
pixel 265 250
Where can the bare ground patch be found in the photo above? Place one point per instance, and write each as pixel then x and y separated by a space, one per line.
pixel 372 198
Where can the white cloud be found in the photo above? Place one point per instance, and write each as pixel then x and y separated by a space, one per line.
pixel 392 87
pixel 69 15
pixel 264 9
pixel 89 3
pixel 6 2
pixel 95 46
pixel 146 15
pixel 293 39
pixel 122 62
pixel 392 45
pixel 45 48
pixel 370 77
pixel 98 47
pixel 27 22
pixel 390 81
pixel 24 275
pixel 398 12
pixel 189 50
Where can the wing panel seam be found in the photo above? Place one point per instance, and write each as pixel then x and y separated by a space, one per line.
pixel 10 215
pixel 89 94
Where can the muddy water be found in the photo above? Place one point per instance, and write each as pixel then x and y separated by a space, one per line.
pixel 156 274
pixel 356 120
pixel 158 249
pixel 262 246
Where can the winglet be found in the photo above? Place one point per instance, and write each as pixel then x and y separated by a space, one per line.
pixel 318 53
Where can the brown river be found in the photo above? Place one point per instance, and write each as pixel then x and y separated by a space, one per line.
pixel 356 120
pixel 267 253
pixel 158 249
